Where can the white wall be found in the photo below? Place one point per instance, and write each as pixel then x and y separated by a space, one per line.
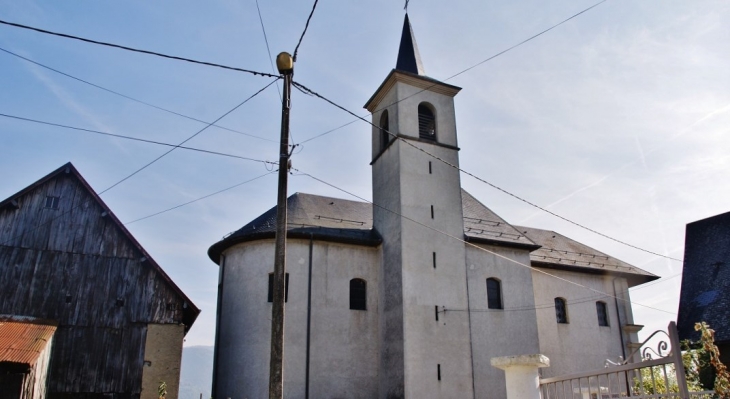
pixel 581 345
pixel 344 351
pixel 495 333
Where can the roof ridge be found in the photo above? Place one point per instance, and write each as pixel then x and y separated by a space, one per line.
pixel 71 169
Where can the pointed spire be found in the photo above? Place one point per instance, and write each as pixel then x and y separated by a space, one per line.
pixel 409 60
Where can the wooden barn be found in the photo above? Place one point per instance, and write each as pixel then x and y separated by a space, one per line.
pixel 121 320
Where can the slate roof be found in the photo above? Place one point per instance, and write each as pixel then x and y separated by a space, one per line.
pixel 409 59
pixel 483 225
pixel 560 252
pixel 338 220
pixel 23 339
pixel 315 216
pixel 705 294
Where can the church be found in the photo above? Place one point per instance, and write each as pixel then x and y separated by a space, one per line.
pixel 412 295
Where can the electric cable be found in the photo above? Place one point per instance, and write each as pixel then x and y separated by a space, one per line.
pixel 118 46
pixel 129 97
pixel 121 136
pixel 471 67
pixel 658 281
pixel 296 49
pixel 142 168
pixel 268 49
pixel 198 199
pixel 477 247
pixel 305 89
pixel 188 139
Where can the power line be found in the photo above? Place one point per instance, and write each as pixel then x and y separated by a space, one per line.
pixel 537 270
pixel 188 139
pixel 268 50
pixel 296 50
pixel 174 146
pixel 526 40
pixel 172 57
pixel 134 138
pixel 471 67
pixel 309 91
pixel 129 97
pixel 140 169
pixel 658 281
pixel 198 199
pixel 527 308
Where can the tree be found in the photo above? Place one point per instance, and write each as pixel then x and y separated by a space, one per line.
pixel 722 378
pixel 162 390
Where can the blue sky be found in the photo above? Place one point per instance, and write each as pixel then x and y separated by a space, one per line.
pixel 617 119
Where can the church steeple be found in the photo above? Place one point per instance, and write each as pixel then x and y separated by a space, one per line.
pixel 409 60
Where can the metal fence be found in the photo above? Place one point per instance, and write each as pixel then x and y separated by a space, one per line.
pixel 660 374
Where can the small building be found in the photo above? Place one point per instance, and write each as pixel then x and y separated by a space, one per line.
pixel 705 294
pixel 65 257
pixel 411 296
pixel 25 352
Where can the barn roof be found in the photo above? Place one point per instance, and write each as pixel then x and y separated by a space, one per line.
pixel 705 294
pixel 339 220
pixel 190 313
pixel 23 339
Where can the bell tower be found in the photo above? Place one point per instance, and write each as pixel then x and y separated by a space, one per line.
pixel 425 351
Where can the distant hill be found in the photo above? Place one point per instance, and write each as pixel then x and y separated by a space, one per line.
pixel 196 374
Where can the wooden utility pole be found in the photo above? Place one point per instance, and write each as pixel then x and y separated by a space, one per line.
pixel 285 64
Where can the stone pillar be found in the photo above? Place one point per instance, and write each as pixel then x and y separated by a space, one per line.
pixel 521 375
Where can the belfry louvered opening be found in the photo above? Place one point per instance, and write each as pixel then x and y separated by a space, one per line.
pixel 426 122
pixel 384 130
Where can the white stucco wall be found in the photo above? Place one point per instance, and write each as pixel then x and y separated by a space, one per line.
pixel 581 344
pixel 414 344
pixel 510 331
pixel 344 354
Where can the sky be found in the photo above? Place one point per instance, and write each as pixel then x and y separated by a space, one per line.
pixel 617 119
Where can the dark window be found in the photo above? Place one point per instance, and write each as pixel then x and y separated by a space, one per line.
pixel 438 372
pixel 494 294
pixel 429 168
pixel 434 260
pixel 270 295
pixel 602 314
pixel 358 294
pixel 561 311
pixel 384 130
pixel 52 202
pixel 426 122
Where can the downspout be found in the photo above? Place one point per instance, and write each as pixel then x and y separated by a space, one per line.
pixel 618 316
pixel 468 313
pixel 620 333
pixel 309 315
pixel 213 389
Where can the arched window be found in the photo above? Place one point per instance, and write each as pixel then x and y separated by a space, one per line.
pixel 426 122
pixel 561 311
pixel 358 294
pixel 602 313
pixel 384 130
pixel 494 294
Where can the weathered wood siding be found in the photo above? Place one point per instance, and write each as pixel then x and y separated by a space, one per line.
pixel 76 266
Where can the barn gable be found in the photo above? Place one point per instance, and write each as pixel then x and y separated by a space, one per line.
pixel 65 256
